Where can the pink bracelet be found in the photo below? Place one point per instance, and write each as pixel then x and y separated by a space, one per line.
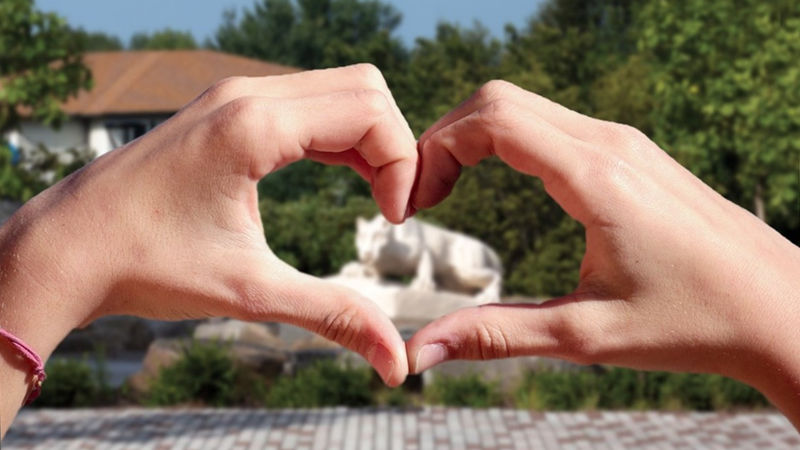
pixel 34 360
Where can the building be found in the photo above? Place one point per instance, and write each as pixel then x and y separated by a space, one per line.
pixel 133 92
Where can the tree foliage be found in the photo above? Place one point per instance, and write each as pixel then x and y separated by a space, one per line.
pixel 443 71
pixel 314 33
pixel 726 79
pixel 714 82
pixel 575 42
pixel 40 64
pixel 97 41
pixel 166 39
pixel 15 182
pixel 315 233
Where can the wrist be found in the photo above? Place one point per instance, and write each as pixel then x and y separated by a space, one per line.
pixel 43 297
pixel 774 330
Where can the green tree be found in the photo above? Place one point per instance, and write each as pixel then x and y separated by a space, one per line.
pixel 315 233
pixel 540 246
pixel 166 39
pixel 575 42
pixel 314 33
pixel 40 64
pixel 97 41
pixel 16 183
pixel 40 68
pixel 726 79
pixel 39 167
pixel 625 94
pixel 443 71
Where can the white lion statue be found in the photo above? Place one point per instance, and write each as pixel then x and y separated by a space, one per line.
pixel 434 256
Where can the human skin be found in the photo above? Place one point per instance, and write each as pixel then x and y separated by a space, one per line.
pixel 675 277
pixel 168 226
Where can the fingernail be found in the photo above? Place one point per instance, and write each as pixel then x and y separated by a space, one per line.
pixel 382 360
pixel 429 356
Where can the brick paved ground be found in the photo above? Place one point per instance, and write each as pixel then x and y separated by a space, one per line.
pixel 422 429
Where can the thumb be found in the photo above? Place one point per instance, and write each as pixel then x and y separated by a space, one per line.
pixel 567 328
pixel 283 294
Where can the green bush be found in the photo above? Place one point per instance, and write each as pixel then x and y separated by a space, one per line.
pixel 617 388
pixel 325 383
pixel 74 383
pixel 687 391
pixel 205 373
pixel 326 239
pixel 25 179
pixel 467 390
pixel 70 383
pixel 557 391
pixel 396 397
pixel 731 393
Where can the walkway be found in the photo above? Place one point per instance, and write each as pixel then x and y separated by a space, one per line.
pixel 422 429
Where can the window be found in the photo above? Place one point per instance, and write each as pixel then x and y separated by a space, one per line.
pixel 123 131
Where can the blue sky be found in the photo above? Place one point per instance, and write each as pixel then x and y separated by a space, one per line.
pixel 201 17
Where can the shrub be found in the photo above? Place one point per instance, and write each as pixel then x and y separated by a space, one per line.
pixel 557 391
pixel 75 383
pixel 325 383
pixel 70 383
pixel 205 373
pixel 687 391
pixel 467 390
pixel 731 393
pixel 398 397
pixel 326 240
pixel 616 388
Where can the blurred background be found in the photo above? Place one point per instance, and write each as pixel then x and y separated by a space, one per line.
pixel 715 83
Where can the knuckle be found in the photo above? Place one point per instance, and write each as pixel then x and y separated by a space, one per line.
pixel 632 135
pixel 239 117
pixel 374 101
pixel 622 136
pixel 499 113
pixel 618 179
pixel 370 75
pixel 494 89
pixel 225 88
pixel 235 129
pixel 578 341
pixel 492 342
pixel 340 326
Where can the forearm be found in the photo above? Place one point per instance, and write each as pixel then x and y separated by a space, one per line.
pixel 778 374
pixel 783 389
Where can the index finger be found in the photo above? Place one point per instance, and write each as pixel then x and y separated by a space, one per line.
pixel 268 133
pixel 522 139
pixel 304 84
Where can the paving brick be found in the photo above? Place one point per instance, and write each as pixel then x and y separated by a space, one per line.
pixel 392 429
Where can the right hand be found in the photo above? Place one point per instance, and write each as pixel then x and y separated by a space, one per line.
pixel 675 277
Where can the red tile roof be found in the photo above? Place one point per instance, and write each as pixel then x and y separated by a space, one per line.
pixel 158 82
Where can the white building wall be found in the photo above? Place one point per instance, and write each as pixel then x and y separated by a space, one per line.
pixel 99 138
pixel 70 135
pixel 101 134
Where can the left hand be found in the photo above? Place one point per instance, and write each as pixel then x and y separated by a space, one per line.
pixel 168 226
